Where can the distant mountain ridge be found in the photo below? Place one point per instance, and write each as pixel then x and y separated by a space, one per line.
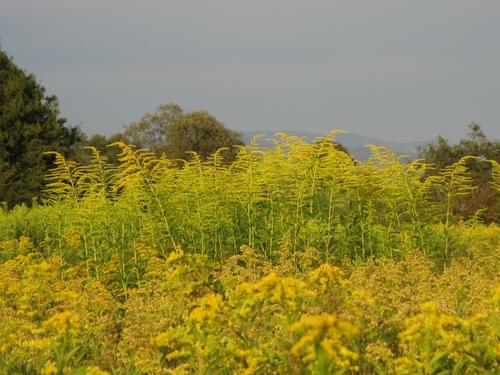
pixel 356 144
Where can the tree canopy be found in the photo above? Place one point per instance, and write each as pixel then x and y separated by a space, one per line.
pixel 199 131
pixel 30 124
pixel 477 144
pixel 442 154
pixel 151 130
pixel 174 132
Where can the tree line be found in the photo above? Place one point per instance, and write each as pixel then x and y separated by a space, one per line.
pixel 31 125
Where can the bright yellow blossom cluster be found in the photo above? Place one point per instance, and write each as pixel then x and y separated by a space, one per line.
pixel 434 341
pixel 322 338
pixel 293 259
pixel 208 308
pixel 327 276
pixel 275 289
pixel 191 315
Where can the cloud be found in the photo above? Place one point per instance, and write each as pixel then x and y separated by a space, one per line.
pixel 396 69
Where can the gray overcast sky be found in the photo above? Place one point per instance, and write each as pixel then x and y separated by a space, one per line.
pixel 399 70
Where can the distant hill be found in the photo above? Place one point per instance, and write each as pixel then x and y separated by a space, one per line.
pixel 354 143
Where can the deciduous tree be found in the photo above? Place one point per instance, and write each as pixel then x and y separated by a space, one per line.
pixel 151 130
pixel 199 131
pixel 171 131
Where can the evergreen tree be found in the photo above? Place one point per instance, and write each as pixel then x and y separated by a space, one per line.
pixel 30 125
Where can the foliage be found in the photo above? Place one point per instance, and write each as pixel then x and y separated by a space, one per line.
pixel 311 194
pixel 170 130
pixel 100 143
pixel 443 154
pixel 484 201
pixel 191 315
pixel 200 132
pixel 151 131
pixel 295 259
pixel 30 124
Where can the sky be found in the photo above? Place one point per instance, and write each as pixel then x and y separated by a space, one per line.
pixel 397 70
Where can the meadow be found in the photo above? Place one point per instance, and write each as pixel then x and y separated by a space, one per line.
pixel 294 259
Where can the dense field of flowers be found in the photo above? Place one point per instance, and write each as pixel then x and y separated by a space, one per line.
pixel 295 259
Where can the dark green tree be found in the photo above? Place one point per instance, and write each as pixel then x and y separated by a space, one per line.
pixel 442 154
pixel 100 142
pixel 30 124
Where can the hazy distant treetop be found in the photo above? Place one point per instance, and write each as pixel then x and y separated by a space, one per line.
pixel 171 131
pixel 201 132
pixel 151 130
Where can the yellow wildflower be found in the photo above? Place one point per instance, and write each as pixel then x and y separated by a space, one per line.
pixel 49 368
pixel 327 276
pixel 94 370
pixel 275 289
pixel 209 307
pixel 174 256
pixel 63 323
pixel 324 335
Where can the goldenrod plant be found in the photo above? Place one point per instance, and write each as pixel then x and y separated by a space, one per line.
pixel 294 259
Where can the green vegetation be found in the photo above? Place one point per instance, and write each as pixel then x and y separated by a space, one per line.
pixel 295 259
pixel 29 126
pixel 201 255
pixel 442 154
pixel 313 193
pixel 171 131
